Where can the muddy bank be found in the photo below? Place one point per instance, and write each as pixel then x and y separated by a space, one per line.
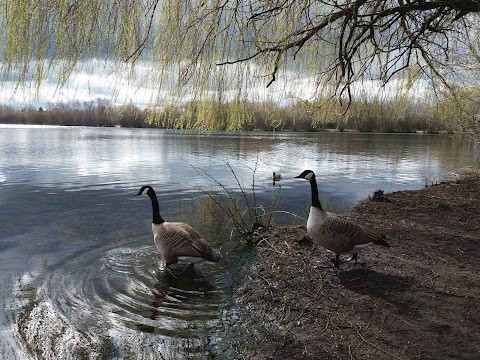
pixel 419 299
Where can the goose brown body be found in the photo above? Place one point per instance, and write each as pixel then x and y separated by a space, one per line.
pixel 335 233
pixel 179 241
pixel 176 240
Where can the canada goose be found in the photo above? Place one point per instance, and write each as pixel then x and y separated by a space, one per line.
pixel 335 233
pixel 276 177
pixel 176 240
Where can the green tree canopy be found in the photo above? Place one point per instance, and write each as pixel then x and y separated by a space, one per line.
pixel 225 47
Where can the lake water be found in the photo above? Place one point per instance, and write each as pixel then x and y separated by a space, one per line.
pixel 80 276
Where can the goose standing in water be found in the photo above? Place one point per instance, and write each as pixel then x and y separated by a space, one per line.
pixel 335 233
pixel 176 240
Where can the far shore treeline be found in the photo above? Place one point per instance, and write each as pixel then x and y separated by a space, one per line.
pixel 401 114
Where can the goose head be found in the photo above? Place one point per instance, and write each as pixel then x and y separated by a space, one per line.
pixel 307 175
pixel 144 190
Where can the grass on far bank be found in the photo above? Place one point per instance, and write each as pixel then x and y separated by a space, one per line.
pixel 401 114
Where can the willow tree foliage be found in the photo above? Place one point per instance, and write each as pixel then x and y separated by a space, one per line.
pixel 223 50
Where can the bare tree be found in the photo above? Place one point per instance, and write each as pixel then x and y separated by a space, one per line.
pixel 346 41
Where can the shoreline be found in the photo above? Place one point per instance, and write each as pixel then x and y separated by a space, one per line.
pixel 417 299
pixel 253 132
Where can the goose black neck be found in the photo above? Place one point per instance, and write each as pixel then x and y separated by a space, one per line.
pixel 315 199
pixel 157 218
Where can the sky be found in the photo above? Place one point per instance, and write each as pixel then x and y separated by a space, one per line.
pixel 91 81
pixel 96 79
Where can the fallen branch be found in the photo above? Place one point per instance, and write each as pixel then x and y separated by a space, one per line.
pixel 377 347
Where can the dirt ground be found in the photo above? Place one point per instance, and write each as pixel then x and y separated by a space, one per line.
pixel 418 299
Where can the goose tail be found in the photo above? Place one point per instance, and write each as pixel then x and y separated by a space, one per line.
pixel 381 242
pixel 214 256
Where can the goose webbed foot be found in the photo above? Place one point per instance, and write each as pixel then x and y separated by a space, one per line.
pixel 332 263
pixel 328 264
pixel 181 269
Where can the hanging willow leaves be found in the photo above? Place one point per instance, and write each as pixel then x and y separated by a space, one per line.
pixel 221 50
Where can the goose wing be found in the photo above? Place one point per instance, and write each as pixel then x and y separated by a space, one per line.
pixel 180 239
pixel 346 234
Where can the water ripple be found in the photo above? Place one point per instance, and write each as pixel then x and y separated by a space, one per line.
pixel 115 301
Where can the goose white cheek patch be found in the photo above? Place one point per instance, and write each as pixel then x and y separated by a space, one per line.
pixel 308 176
pixel 145 191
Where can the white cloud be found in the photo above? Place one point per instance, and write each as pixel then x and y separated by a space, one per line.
pixel 91 80
pixel 102 79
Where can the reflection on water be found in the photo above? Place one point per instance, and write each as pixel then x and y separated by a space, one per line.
pixel 81 277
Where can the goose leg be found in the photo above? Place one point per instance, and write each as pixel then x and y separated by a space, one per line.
pixel 336 261
pixel 168 270
pixel 353 258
